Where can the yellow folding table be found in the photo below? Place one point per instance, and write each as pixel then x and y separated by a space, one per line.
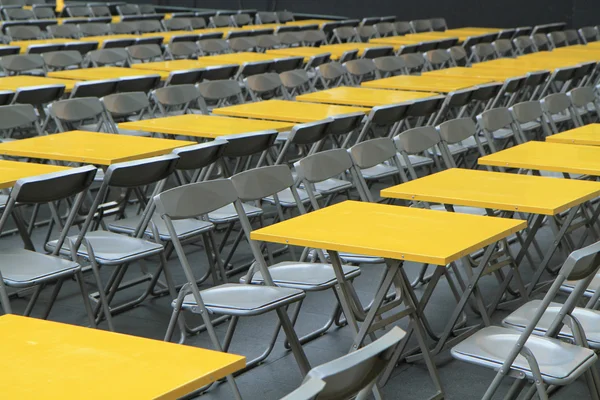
pixel 305 22
pixel 21 81
pixel 423 83
pixel 497 74
pixel 513 194
pixel 289 111
pixel 306 52
pixel 90 147
pixel 587 134
pixel 174 65
pixel 51 360
pixel 102 39
pixel 341 48
pixel 204 126
pixel 362 97
pixel 100 73
pixel 398 234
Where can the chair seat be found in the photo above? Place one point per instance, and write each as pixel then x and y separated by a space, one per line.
pixel 305 275
pixel 112 248
pixel 228 213
pixel 560 363
pixel 379 171
pixel 416 161
pixel 589 319
pixel 287 200
pixel 502 134
pixel 23 268
pixel 185 228
pixel 529 126
pixel 557 118
pixel 470 142
pixel 332 185
pixel 243 300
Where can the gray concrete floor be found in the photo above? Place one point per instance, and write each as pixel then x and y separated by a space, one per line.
pixel 279 375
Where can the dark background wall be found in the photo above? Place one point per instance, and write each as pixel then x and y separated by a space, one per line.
pixel 495 13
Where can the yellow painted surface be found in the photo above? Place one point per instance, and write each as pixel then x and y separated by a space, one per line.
pixel 340 48
pixel 19 81
pixel 548 156
pixel 205 126
pixel 174 65
pixel 102 39
pixel 587 135
pixel 422 83
pixel 401 233
pixel 59 361
pixel 363 97
pixel 237 58
pixel 498 191
pixel 90 147
pixel 306 52
pixel 497 74
pixel 93 74
pixel 289 111
pixel 319 22
pixel 12 171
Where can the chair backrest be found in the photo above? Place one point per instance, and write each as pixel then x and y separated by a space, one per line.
pixel 94 88
pixel 257 183
pixel 503 47
pixel 217 72
pixel 149 26
pixel 417 141
pixel 264 85
pixel 493 120
pixel 366 32
pixel 269 41
pixel 385 29
pixel 289 38
pixel 264 17
pixel 390 65
pixel 198 156
pixel 507 34
pixel 242 44
pixel 99 10
pixel 145 52
pixel 123 28
pixel 241 19
pixel 455 131
pixel 57 60
pixel 557 39
pixel 24 32
pixel 438 24
pixel 361 69
pixel 249 144
pixel 296 82
pixel 332 74
pixel 402 27
pixel 82 47
pixel 19 63
pixel 413 61
pixel 198 22
pixel 17 117
pixel 71 113
pixel 94 29
pixel 177 50
pixel 541 41
pixel 314 37
pixel 529 112
pixel 437 59
pixel 305 134
pixel 557 103
pixel 459 56
pixel 588 34
pixel 78 10
pixel 17 14
pixel 38 95
pixel 213 46
pixel 66 31
pixel 122 105
pixel 421 25
pixel 113 57
pixel 177 24
pixel 180 97
pixel 344 34
pixel 142 83
pixel 220 21
pixel 524 45
pixel 223 92
pixel 285 16
pixel 128 9
pixel 44 12
pixel 483 52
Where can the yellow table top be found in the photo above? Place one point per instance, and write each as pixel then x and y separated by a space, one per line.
pixel 59 361
pixel 532 64
pixel 587 135
pixel 99 73
pixel 306 52
pixel 363 97
pixel 319 22
pixel 90 147
pixel 399 41
pixel 12 171
pixel 237 58
pixel 497 74
pixel 400 233
pixel 24 44
pixel 548 156
pixel 472 31
pixel 574 57
pixel 205 126
pixel 340 48
pixel 422 83
pixel 173 65
pixel 497 190
pixel 289 111
pixel 19 81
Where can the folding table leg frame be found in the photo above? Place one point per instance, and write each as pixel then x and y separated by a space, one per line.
pixel 394 276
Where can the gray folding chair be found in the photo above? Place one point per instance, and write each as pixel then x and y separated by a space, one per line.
pixel 588 34
pixel 20 64
pixel 181 50
pixel 213 46
pixel 265 86
pixel 236 300
pixel 498 126
pixel 219 21
pixel 381 121
pixel 116 57
pixel 149 26
pixel 402 27
pixel 266 42
pixel 460 139
pixel 414 62
pixel 557 39
pixel 344 34
pixel 116 251
pixel 390 66
pixel 17 14
pixel 123 107
pixel 559 112
pixel 39 97
pixel 285 16
pixel 385 29
pixel 288 39
pixel 296 82
pixel 78 10
pixel 144 53
pixel 60 60
pixel 437 59
pixel 26 268
pixel 365 32
pixel 128 9
pixel 541 42
pixel 530 120
pixel 177 24
pixel 459 56
pixel 241 19
pixel 314 37
pixel 527 357
pixel 24 32
pixel 421 25
pixel 455 105
pixel 219 93
pixel 361 70
pixel 524 45
pixel 43 11
pixel 124 28
pixel 99 10
pixel 94 29
pixel 84 113
pixel 503 48
pixel 265 17
pixel 197 22
pixel 18 121
pixel 177 99
pixel 332 74
pixel 96 89
pixel 585 105
pixel 67 31
pixel 482 52
pixel 337 379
